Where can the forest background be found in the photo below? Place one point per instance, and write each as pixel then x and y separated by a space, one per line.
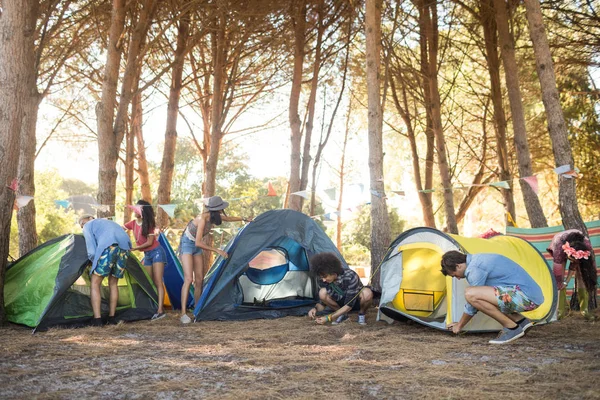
pixel 371 117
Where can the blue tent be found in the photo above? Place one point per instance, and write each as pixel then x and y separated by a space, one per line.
pixel 266 274
pixel 173 276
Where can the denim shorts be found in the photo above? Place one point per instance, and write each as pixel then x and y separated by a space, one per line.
pixel 189 246
pixel 156 255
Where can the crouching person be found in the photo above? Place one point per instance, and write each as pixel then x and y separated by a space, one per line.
pixel 340 290
pixel 108 248
pixel 499 287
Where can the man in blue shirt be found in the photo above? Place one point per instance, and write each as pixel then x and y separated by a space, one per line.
pixel 499 287
pixel 108 248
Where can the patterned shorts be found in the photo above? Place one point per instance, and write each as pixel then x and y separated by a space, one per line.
pixel 511 299
pixel 112 262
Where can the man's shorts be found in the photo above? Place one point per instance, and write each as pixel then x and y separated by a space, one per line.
pixel 156 255
pixel 189 246
pixel 511 299
pixel 355 306
pixel 112 261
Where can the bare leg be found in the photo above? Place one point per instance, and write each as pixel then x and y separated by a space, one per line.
pixel 187 264
pixel 484 299
pixel 198 276
pixel 327 300
pixel 158 270
pixel 366 299
pixel 95 297
pixel 114 295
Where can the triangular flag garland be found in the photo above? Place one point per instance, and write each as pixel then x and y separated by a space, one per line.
pixel 169 209
pixel 21 201
pixel 302 193
pixel 14 185
pixel 62 203
pixel 501 184
pixel 533 182
pixel 271 190
pixel 330 193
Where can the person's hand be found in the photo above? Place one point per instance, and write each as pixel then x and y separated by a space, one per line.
pixel 455 327
pixel 312 313
pixel 321 320
pixel 222 253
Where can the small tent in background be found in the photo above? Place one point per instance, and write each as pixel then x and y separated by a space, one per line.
pixel 173 276
pixel 413 286
pixel 266 274
pixel 50 286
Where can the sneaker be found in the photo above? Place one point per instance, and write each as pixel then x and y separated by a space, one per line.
pixel 158 316
pixel 508 335
pixel 525 324
pixel 112 321
pixel 340 319
pixel 362 320
pixel 185 319
pixel 97 322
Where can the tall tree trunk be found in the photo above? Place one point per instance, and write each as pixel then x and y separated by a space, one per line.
pixel 567 196
pixel 142 162
pixel 380 224
pixel 338 233
pixel 17 29
pixel 488 22
pixel 299 21
pixel 129 167
pixel 108 147
pixel 312 100
pixel 430 22
pixel 511 74
pixel 168 160
pixel 28 238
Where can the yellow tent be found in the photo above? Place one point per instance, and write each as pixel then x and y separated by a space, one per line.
pixel 413 286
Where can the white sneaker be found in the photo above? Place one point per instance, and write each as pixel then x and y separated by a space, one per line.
pixel 185 319
pixel 362 320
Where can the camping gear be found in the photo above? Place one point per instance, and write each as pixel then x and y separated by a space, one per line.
pixel 413 286
pixel 540 238
pixel 266 274
pixel 50 286
pixel 173 276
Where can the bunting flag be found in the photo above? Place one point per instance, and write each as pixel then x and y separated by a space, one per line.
pixel 330 193
pixel 399 192
pixel 501 184
pixel 136 208
pixel 62 203
pixel 169 209
pixel 271 190
pixel 21 201
pixel 533 182
pixel 376 193
pixel 327 217
pixel 14 184
pixel 302 193
pixel 101 207
pixel 563 169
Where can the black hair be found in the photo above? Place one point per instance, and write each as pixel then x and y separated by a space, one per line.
pixel 215 217
pixel 148 219
pixel 586 267
pixel 325 264
pixel 451 259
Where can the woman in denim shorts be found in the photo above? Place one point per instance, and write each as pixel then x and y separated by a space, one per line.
pixel 192 246
pixel 144 231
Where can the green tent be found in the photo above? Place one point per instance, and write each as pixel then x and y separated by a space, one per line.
pixel 50 286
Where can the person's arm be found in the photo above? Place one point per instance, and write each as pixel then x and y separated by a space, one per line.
pixel 568 278
pixel 458 326
pixel 201 221
pixel 149 242
pixel 333 316
pixel 312 313
pixel 558 270
pixel 90 242
pixel 228 218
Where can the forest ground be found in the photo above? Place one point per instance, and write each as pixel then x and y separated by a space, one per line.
pixel 293 358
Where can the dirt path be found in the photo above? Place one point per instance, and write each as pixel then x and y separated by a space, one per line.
pixel 293 358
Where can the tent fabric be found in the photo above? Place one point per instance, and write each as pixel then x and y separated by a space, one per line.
pixel 49 286
pixel 227 284
pixel 413 286
pixel 540 238
pixel 173 276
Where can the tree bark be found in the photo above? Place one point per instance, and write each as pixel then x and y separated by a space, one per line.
pixel 17 29
pixel 142 161
pixel 488 22
pixel 511 73
pixel 168 159
pixel 557 128
pixel 28 238
pixel 338 233
pixel 380 224
pixel 108 147
pixel 428 13
pixel 299 21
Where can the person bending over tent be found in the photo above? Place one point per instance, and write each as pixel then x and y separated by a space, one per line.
pixel 499 287
pixel 340 289
pixel 108 248
pixel 192 245
pixel 572 245
pixel 144 232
